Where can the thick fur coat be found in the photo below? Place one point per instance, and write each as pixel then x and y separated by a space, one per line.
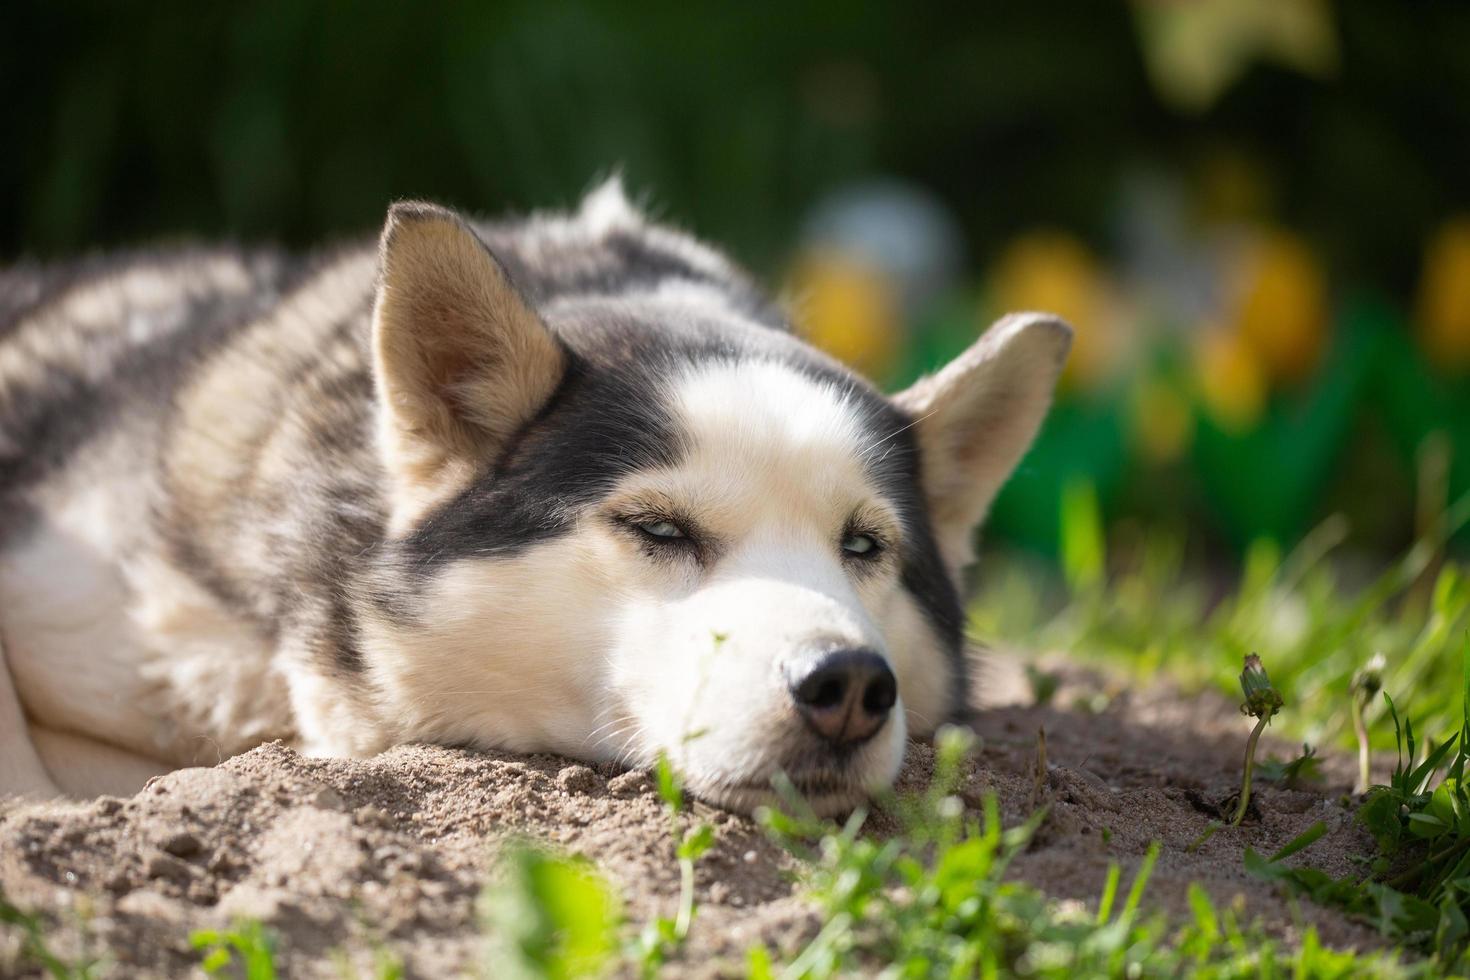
pixel 563 484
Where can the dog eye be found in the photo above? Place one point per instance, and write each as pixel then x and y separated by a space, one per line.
pixel 661 529
pixel 860 545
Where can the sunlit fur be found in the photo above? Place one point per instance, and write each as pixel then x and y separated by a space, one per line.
pixel 396 494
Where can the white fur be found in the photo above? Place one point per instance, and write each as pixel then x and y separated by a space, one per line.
pixel 127 651
pixel 606 209
pixel 22 772
pixel 512 655
pixel 587 646
pixel 774 470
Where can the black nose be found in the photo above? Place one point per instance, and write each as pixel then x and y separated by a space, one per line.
pixel 846 697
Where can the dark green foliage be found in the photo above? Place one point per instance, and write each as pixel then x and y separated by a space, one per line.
pixel 1043 684
pixel 301 119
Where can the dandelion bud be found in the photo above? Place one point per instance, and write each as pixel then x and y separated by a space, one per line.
pixel 1261 699
pixel 1368 680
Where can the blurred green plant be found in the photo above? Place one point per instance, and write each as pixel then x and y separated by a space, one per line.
pixel 387 965
pixel 1043 684
pixel 555 916
pixel 665 935
pixel 1084 550
pixel 249 940
pixel 549 916
pixel 35 949
pixel 1299 772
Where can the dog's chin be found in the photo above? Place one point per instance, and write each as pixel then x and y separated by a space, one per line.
pixel 827 794
pixel 831 782
pixel 747 799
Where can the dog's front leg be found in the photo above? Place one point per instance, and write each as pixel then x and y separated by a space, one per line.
pixel 21 771
pixel 329 720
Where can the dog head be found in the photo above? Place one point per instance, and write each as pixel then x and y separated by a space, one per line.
pixel 642 519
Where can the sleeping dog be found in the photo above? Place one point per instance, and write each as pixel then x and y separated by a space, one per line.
pixel 564 484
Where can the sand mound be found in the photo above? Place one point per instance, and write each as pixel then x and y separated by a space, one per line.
pixel 347 857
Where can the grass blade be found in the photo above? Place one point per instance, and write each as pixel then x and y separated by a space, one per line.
pixel 1140 880
pixel 1109 894
pixel 1302 841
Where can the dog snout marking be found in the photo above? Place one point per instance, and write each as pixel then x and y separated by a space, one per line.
pixel 846 696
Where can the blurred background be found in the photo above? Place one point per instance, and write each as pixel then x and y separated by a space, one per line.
pixel 1255 212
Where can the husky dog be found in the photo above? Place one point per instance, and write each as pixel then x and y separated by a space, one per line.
pixel 568 484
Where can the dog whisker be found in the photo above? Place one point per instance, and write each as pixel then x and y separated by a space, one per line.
pixel 928 722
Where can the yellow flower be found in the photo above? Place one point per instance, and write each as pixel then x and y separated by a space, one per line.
pixel 1053 272
pixel 1194 51
pixel 1444 296
pixel 1231 383
pixel 1282 306
pixel 849 309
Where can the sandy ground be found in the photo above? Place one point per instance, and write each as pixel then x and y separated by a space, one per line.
pixel 348 857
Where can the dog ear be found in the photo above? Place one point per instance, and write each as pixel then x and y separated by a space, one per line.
pixel 975 419
pixel 460 359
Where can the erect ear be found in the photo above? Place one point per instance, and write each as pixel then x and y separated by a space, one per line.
pixel 975 419
pixel 461 361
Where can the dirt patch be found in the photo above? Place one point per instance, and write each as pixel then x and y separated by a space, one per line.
pixel 346 857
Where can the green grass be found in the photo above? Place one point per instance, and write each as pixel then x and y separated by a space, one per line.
pixel 554 916
pixel 549 915
pixel 1332 648
pixel 247 950
pixel 1416 888
pixel 935 901
pixel 1314 620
